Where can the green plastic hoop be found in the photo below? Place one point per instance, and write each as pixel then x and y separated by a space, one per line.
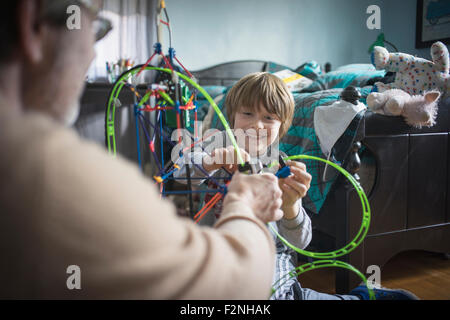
pixel 352 245
pixel 324 264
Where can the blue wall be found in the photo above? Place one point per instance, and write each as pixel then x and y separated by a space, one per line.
pixel 400 25
pixel 289 32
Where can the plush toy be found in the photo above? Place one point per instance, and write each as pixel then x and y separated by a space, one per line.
pixel 417 87
pixel 418 110
pixel 415 75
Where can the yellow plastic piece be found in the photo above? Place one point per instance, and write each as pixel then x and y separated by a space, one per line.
pixel 158 179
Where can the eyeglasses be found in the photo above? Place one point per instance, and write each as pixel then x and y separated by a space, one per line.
pixel 101 26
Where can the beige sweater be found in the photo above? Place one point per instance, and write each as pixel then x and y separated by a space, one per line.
pixel 65 201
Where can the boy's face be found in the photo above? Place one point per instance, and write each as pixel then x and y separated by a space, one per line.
pixel 258 128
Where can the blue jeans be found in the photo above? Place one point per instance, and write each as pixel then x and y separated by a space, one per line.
pixel 309 294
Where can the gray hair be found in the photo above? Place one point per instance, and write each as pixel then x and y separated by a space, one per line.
pixel 56 10
pixel 53 11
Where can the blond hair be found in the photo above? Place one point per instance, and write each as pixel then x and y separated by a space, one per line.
pixel 261 89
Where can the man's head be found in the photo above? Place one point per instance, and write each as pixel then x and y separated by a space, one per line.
pixel 51 60
pixel 260 101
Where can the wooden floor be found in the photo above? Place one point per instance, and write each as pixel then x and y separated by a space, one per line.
pixel 425 274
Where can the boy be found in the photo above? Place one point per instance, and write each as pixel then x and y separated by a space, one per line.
pixel 260 109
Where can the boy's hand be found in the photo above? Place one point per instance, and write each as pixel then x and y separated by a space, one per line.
pixel 224 157
pixel 294 188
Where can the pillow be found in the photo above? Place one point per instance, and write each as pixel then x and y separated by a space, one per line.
pixel 273 67
pixel 294 81
pixel 310 69
pixel 356 75
pixel 357 67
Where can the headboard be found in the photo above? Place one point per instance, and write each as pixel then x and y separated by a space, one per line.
pixel 226 74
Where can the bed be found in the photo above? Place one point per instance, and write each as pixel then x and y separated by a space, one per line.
pixel 393 162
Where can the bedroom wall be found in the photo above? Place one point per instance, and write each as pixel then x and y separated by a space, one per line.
pixel 289 32
pixel 400 26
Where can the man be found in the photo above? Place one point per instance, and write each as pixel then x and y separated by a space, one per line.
pixel 64 202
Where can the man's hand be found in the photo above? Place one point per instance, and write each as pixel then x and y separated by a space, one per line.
pixel 224 157
pixel 294 188
pixel 261 192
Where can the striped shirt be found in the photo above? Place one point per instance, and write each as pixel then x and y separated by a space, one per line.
pixel 297 231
